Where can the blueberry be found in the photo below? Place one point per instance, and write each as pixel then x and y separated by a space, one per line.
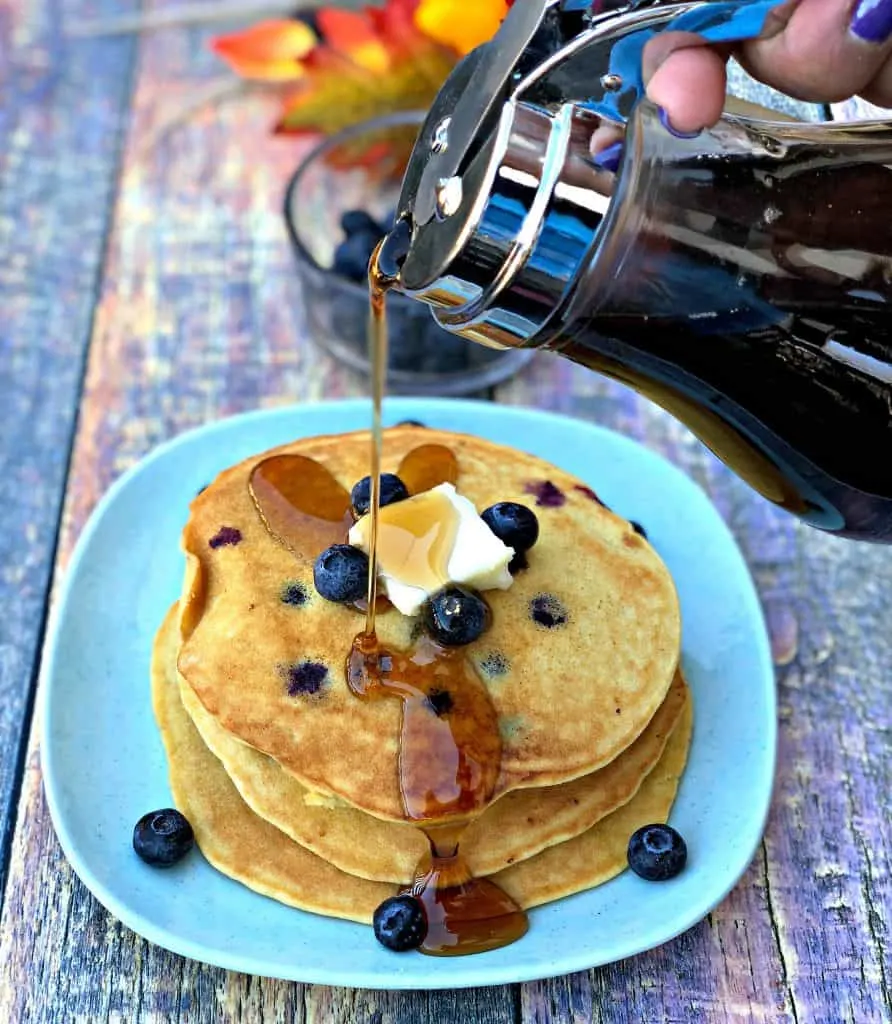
pixel 400 923
pixel 547 495
pixel 409 423
pixel 589 493
pixel 358 222
pixel 455 616
pixel 514 524
pixel 307 678
pixel 226 536
pixel 638 528
pixel 161 838
pixel 392 489
pixel 440 702
pixel 546 610
pixel 341 573
pixel 657 852
pixel 351 258
pixel 495 664
pixel 294 593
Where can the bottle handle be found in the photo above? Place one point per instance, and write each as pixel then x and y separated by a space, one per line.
pixel 629 30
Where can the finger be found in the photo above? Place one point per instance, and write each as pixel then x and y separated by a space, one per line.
pixel 662 45
pixel 827 52
pixel 605 136
pixel 690 85
pixel 686 78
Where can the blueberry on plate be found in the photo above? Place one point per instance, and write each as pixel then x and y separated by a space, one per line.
pixel 358 222
pixel 161 838
pixel 351 258
pixel 455 616
pixel 657 853
pixel 400 923
pixel 341 573
pixel 392 489
pixel 514 524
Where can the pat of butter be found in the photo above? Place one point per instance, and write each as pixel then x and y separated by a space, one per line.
pixel 431 540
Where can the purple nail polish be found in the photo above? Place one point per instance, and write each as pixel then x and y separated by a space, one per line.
pixel 667 124
pixel 610 156
pixel 872 21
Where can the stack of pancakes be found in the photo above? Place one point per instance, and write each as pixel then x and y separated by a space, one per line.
pixel 291 783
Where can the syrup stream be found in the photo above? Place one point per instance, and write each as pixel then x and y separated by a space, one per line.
pixel 377 330
pixel 449 759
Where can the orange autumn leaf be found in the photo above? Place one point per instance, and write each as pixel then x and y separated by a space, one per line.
pixel 371 63
pixel 337 93
pixel 365 63
pixel 459 24
pixel 395 24
pixel 354 34
pixel 271 51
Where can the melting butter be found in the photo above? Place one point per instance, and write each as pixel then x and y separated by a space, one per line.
pixel 430 540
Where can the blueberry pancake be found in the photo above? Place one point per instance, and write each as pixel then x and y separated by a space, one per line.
pixel 515 827
pixel 579 653
pixel 244 846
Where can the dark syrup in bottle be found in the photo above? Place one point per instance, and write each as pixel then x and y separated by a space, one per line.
pixel 765 325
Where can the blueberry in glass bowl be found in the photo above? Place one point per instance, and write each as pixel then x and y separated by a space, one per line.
pixel 340 202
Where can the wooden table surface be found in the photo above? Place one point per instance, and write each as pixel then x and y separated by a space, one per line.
pixel 146 287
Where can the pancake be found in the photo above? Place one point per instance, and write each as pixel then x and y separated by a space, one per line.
pixel 569 698
pixel 512 829
pixel 245 847
pixel 233 838
pixel 599 854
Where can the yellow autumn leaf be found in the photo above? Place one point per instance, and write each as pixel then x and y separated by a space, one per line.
pixel 460 24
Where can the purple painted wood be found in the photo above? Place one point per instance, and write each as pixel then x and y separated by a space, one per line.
pixel 804 937
pixel 61 123
pixel 197 316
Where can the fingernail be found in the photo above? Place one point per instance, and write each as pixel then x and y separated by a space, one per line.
pixel 610 156
pixel 667 124
pixel 872 21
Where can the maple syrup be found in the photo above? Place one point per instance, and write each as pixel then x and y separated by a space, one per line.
pixel 377 328
pixel 426 466
pixel 450 746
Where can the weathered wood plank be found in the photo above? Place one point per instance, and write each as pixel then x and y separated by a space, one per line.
pixel 198 316
pixel 803 937
pixel 61 125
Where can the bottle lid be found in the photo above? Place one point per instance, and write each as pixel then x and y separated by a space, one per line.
pixel 456 152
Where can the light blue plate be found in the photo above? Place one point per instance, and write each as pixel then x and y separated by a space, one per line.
pixel 104 764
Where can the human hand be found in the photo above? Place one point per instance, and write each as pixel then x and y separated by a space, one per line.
pixel 820 51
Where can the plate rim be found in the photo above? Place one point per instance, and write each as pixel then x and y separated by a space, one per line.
pixel 426 978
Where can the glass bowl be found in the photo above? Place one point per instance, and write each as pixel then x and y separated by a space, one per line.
pixel 361 168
